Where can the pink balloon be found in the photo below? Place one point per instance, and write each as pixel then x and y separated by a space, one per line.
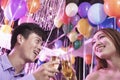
pixel 25 19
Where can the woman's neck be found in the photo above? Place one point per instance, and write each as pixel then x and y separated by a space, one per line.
pixel 114 63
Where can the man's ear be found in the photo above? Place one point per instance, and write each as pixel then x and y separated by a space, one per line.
pixel 20 39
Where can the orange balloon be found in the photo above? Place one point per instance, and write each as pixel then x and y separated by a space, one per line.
pixel 6 21
pixel 84 27
pixel 33 5
pixel 112 7
pixel 3 3
pixel 88 58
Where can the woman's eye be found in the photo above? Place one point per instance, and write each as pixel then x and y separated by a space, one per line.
pixel 101 37
pixel 93 43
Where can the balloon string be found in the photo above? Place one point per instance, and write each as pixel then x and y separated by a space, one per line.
pixel 92 63
pixel 115 27
pixel 84 53
pixel 48 37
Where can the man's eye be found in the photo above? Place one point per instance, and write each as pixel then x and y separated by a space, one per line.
pixel 37 41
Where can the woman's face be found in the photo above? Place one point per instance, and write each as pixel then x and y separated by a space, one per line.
pixel 103 47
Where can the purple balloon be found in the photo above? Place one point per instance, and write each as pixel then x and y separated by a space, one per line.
pixel 58 44
pixel 18 8
pixel 75 19
pixel 83 9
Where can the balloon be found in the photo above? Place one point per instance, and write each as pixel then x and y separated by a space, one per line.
pixel 77 44
pixel 108 23
pixel 84 28
pixel 72 36
pixel 118 29
pixel 67 28
pixel 58 44
pixel 65 19
pixel 7 13
pixel 118 22
pixel 33 5
pixel 6 29
pixel 71 9
pixel 80 37
pixel 15 9
pixel 93 25
pixel 25 19
pixel 18 8
pixel 83 9
pixel 57 22
pixel 75 19
pixel 3 3
pixel 6 21
pixel 88 58
pixel 96 14
pixel 112 8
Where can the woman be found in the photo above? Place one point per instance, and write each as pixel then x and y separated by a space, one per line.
pixel 106 46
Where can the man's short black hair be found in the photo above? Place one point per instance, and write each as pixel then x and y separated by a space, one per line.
pixel 25 29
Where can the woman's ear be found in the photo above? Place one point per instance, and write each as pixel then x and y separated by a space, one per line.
pixel 20 39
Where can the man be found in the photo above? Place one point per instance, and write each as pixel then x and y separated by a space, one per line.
pixel 26 44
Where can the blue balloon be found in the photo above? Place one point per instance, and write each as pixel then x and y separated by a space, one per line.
pixel 118 29
pixel 83 9
pixel 108 23
pixel 93 25
pixel 96 14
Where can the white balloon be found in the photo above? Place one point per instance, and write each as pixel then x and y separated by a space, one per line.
pixel 71 9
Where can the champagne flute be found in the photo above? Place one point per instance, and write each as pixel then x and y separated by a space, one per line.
pixel 55 58
pixel 67 70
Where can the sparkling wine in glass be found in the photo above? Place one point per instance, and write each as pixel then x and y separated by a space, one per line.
pixel 67 69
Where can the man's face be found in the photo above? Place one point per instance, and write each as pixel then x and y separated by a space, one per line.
pixel 31 47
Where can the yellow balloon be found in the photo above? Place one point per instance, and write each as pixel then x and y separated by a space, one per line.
pixel 84 27
pixel 57 22
pixel 6 29
pixel 73 36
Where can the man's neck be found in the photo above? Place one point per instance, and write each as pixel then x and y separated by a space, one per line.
pixel 16 62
